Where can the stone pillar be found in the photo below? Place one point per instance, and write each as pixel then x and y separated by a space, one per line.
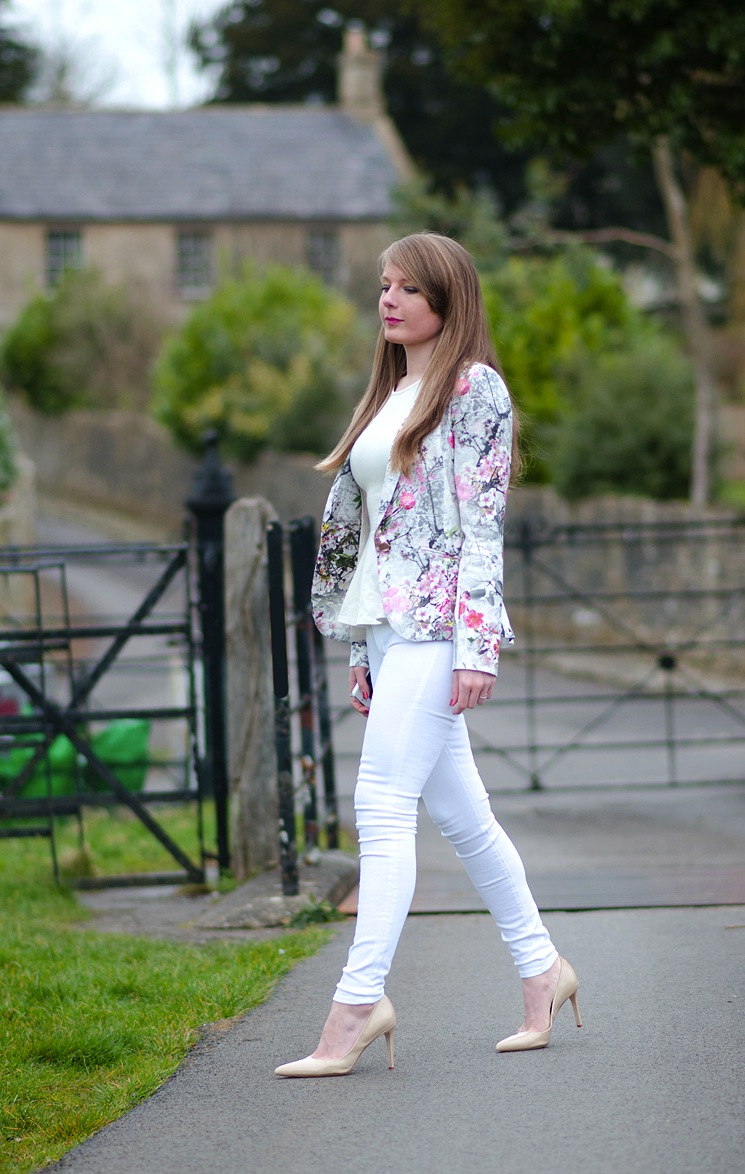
pixel 252 773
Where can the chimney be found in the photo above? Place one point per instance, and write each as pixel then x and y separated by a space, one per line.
pixel 360 85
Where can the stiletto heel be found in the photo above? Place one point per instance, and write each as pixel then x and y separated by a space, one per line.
pixel 389 1042
pixel 575 1008
pixel 566 988
pixel 381 1021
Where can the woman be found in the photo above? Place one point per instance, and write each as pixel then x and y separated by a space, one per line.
pixel 410 572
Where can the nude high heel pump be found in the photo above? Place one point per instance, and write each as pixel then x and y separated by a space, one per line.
pixel 381 1021
pixel 566 988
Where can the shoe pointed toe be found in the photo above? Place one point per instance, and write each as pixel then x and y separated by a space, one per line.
pixel 524 1041
pixel 381 1021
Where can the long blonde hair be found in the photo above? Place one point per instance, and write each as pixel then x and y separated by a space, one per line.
pixel 445 273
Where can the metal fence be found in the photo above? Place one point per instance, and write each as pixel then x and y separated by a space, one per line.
pixel 629 664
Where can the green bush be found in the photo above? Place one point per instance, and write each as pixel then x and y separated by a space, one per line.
pixel 631 428
pixel 7 448
pixel 270 359
pixel 88 344
pixel 25 358
pixel 545 313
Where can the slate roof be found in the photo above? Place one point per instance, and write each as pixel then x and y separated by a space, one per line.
pixel 211 163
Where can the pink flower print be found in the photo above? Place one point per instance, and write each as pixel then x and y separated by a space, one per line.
pixel 463 488
pixel 502 464
pixel 462 386
pixel 395 599
pixel 474 619
pixel 451 439
pixel 487 466
pixel 488 503
pixel 433 581
pixel 408 500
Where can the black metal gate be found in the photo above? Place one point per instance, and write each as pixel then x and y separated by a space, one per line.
pixel 629 664
pixel 100 708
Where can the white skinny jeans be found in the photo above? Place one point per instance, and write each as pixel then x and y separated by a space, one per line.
pixel 414 747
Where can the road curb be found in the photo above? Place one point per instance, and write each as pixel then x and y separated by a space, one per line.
pixel 260 903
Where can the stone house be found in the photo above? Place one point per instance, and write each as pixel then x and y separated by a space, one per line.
pixel 168 200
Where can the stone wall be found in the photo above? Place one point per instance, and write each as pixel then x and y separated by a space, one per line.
pixel 627 574
pixel 127 463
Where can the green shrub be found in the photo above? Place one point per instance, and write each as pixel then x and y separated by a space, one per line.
pixel 25 358
pixel 545 313
pixel 88 344
pixel 631 428
pixel 7 448
pixel 270 359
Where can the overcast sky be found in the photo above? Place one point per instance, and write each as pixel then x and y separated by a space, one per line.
pixel 122 46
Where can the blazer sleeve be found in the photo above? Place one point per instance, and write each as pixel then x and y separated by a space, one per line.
pixel 481 439
pixel 336 562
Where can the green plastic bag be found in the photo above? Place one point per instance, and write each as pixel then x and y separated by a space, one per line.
pixel 123 746
pixel 62 757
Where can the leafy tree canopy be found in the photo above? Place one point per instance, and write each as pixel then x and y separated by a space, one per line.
pixel 18 61
pixel 572 74
pixel 287 50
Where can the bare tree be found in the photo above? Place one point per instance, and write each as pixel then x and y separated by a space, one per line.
pixel 72 72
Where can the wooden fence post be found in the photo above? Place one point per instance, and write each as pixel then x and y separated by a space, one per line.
pixel 251 759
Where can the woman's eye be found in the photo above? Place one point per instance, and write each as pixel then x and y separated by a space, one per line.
pixel 384 288
pixel 412 289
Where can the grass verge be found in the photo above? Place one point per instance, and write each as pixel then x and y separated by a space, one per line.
pixel 115 842
pixel 91 1024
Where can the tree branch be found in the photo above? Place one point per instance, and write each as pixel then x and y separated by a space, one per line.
pixel 600 236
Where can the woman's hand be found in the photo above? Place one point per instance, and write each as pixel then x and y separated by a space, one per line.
pixel 470 688
pixel 359 675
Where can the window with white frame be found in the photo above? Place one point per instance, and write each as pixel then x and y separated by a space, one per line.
pixel 64 252
pixel 323 254
pixel 193 262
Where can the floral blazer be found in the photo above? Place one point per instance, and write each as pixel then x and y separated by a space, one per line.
pixel 438 535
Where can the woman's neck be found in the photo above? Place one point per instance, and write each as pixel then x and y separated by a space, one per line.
pixel 417 361
pixel 406 382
